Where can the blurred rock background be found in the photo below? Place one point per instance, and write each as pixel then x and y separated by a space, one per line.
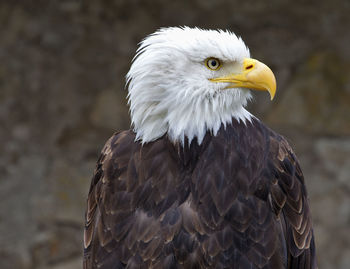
pixel 62 68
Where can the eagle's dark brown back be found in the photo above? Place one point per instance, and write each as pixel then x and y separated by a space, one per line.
pixel 238 200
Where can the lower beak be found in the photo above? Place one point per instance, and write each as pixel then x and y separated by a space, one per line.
pixel 255 75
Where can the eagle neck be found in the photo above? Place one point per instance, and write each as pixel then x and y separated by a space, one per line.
pixel 190 151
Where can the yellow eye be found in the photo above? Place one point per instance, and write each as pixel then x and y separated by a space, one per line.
pixel 213 63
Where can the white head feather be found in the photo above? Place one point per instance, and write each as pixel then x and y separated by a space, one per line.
pixel 169 90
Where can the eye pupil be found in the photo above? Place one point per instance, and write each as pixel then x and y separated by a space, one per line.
pixel 213 63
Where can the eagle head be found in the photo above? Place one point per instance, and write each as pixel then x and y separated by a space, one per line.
pixel 184 82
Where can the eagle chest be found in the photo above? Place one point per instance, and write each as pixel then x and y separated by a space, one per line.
pixel 204 203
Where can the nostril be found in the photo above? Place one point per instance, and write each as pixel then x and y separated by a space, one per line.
pixel 249 67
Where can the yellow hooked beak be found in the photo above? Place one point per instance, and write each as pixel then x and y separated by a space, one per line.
pixel 254 75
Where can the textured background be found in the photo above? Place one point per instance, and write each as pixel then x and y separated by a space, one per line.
pixel 62 68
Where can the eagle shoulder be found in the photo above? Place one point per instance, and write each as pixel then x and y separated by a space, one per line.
pixel 289 200
pixel 112 163
pixel 133 207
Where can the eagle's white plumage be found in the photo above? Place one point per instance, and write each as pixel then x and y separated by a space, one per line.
pixel 169 87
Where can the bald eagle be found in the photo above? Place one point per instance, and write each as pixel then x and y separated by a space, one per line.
pixel 198 182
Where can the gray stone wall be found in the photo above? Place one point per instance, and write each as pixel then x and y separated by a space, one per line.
pixel 62 68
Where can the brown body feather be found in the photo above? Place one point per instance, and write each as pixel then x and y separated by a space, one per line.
pixel 238 200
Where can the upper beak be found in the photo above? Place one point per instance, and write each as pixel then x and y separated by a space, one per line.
pixel 254 75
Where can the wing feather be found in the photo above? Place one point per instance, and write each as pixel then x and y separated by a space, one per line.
pixel 290 201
